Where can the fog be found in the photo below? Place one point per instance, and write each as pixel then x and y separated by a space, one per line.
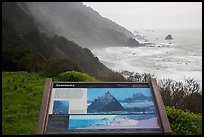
pixel 152 15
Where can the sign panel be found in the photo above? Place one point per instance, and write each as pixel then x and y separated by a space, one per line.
pixel 77 108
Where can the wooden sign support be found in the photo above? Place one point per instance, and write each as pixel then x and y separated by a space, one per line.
pixel 164 120
pixel 44 106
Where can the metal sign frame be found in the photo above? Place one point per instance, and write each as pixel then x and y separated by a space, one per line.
pixel 162 117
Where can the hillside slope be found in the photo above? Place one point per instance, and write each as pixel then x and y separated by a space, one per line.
pixel 79 23
pixel 27 44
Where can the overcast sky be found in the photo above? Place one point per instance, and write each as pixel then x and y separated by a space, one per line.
pixel 151 15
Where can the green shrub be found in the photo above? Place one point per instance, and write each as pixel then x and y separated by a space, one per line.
pixel 75 77
pixel 184 123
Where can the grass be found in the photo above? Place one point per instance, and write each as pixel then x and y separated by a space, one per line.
pixel 21 100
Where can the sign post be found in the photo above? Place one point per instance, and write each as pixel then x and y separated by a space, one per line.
pixel 44 105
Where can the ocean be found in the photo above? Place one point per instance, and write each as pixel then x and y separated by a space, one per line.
pixel 83 123
pixel 104 122
pixel 178 59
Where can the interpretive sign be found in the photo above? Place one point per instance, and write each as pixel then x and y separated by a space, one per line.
pixel 102 107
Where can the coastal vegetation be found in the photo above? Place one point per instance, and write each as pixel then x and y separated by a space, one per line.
pixel 22 94
pixel 76 76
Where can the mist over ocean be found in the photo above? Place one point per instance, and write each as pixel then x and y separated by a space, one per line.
pixel 180 59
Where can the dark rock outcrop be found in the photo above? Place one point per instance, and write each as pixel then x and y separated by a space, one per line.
pixel 169 37
pixel 132 43
pixel 105 103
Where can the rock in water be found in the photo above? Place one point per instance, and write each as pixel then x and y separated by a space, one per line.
pixel 135 97
pixel 169 37
pixel 105 103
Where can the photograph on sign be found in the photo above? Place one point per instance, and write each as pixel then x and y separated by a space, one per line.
pixel 119 101
pixel 61 107
pixel 113 122
pixel 93 109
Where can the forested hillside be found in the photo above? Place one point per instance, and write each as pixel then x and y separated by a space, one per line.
pixel 28 46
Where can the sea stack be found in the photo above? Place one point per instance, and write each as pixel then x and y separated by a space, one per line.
pixel 105 103
pixel 169 37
